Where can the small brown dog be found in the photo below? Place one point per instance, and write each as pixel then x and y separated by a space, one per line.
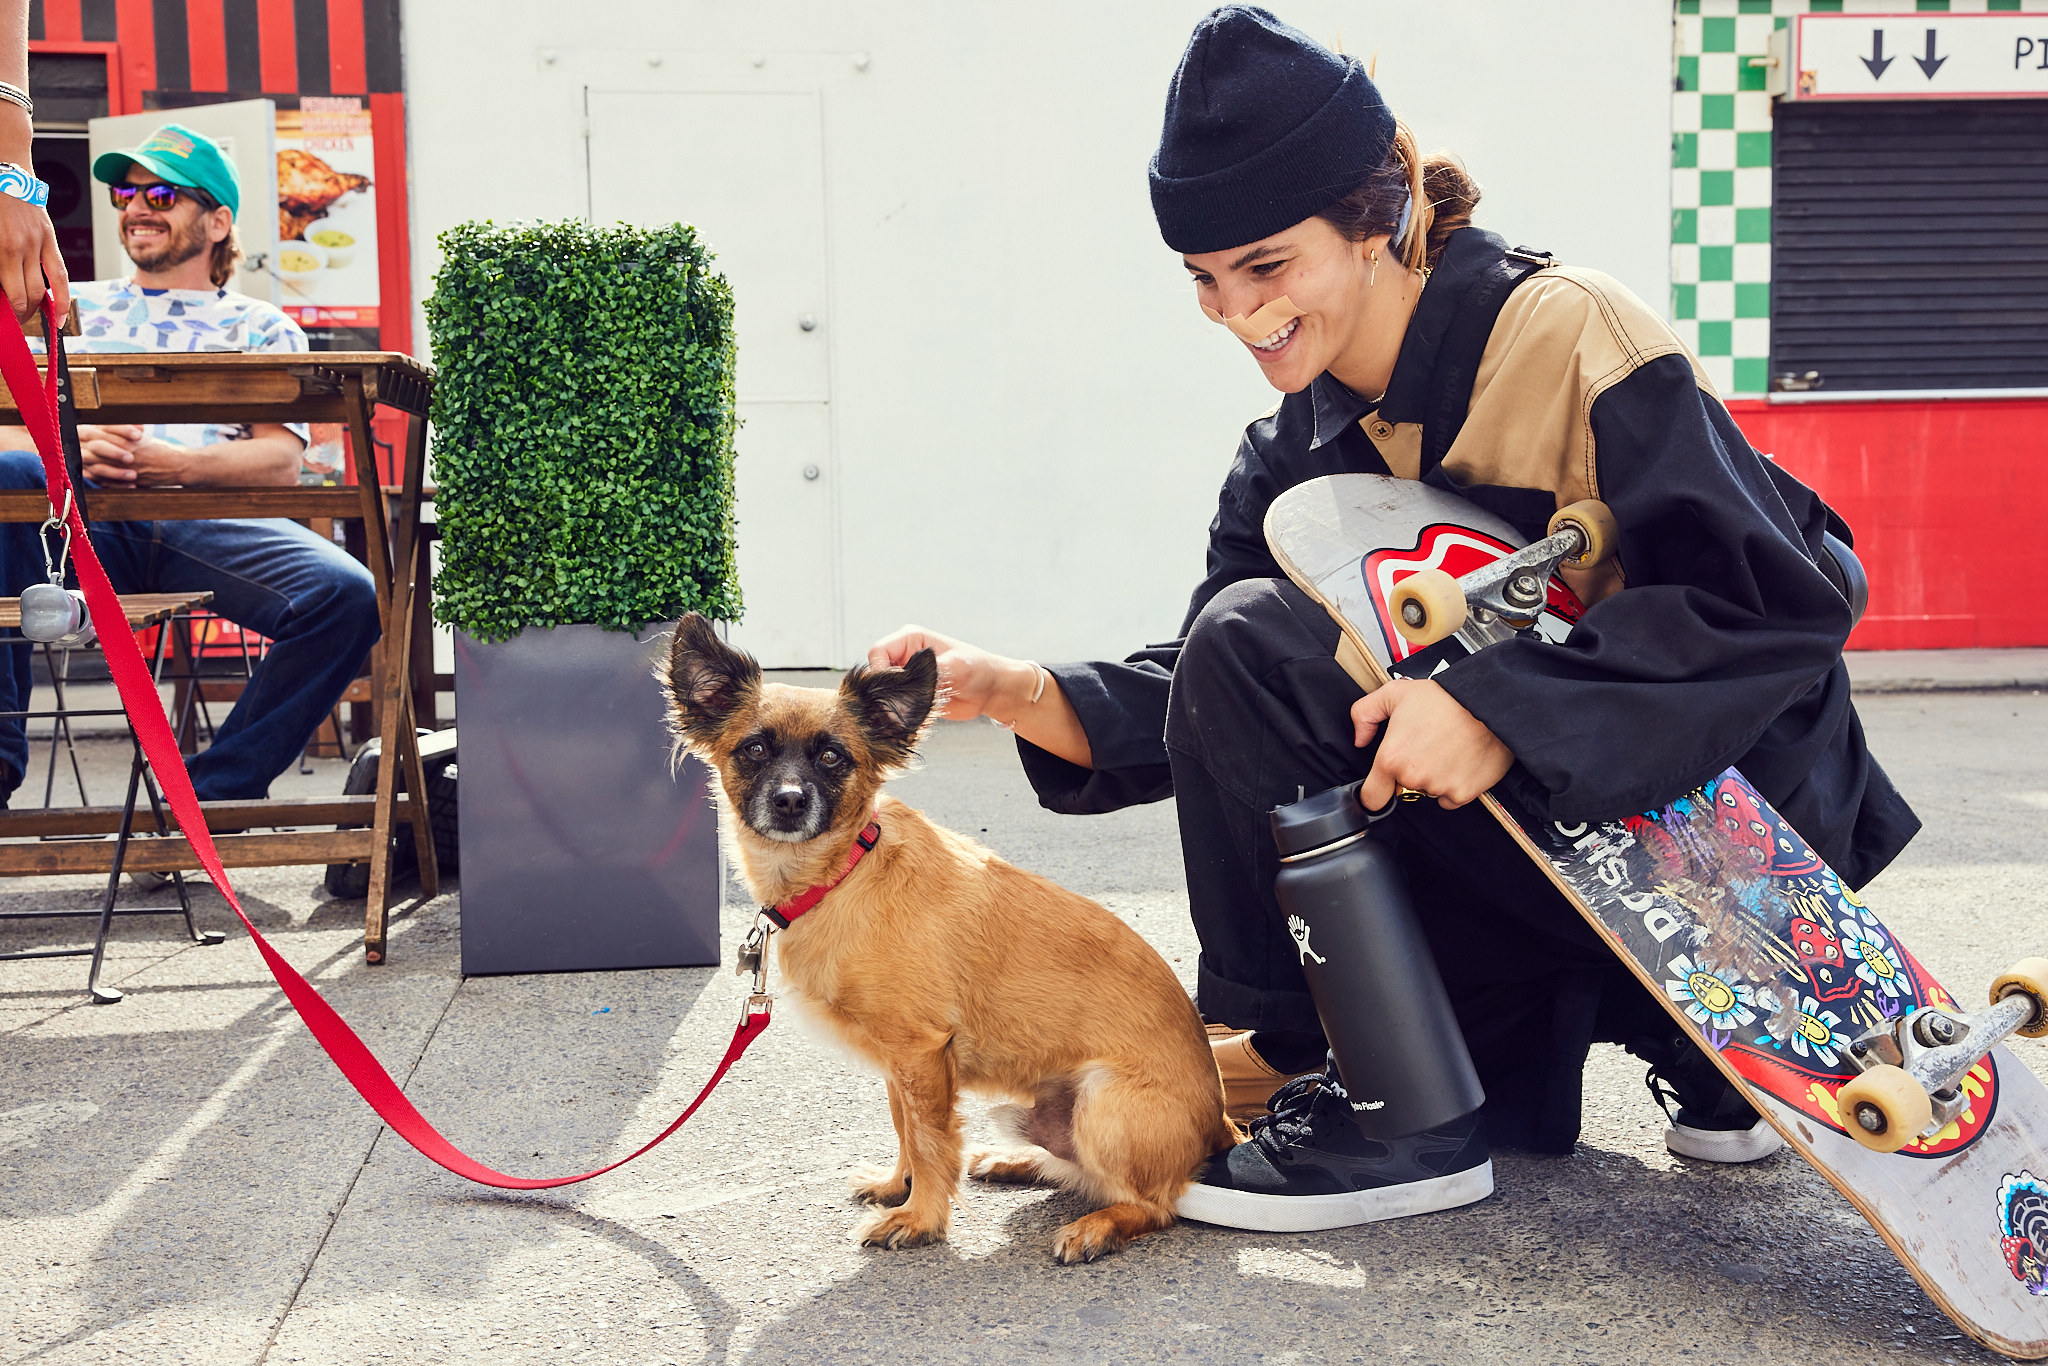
pixel 948 968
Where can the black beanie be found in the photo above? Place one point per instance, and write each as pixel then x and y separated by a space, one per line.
pixel 1264 127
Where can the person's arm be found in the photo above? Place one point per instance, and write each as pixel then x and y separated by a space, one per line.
pixel 124 455
pixel 29 259
pixel 1726 620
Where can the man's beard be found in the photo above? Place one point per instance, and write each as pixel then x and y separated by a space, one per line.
pixel 174 248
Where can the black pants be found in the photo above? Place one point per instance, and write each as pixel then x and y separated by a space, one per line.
pixel 1259 714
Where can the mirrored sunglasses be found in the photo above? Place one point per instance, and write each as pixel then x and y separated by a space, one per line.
pixel 162 198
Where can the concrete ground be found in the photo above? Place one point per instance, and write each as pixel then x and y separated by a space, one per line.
pixel 184 1176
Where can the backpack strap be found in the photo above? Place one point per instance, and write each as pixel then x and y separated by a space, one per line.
pixel 1457 358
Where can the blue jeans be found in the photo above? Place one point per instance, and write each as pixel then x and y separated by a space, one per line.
pixel 315 602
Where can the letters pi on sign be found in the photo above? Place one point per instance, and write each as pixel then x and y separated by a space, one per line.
pixel 1921 56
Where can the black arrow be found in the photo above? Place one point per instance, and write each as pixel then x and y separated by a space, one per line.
pixel 1930 63
pixel 1876 61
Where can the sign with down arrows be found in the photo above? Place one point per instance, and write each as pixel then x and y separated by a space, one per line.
pixel 1918 56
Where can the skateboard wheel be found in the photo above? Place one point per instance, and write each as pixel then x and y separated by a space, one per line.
pixel 1885 1109
pixel 1428 606
pixel 1595 522
pixel 2029 975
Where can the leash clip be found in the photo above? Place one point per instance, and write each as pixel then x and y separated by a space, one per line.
pixel 57 521
pixel 753 959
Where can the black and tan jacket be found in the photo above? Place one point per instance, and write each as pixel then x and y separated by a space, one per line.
pixel 1716 641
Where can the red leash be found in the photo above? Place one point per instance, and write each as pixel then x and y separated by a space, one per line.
pixel 38 405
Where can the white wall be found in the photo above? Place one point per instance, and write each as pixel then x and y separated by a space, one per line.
pixel 1031 418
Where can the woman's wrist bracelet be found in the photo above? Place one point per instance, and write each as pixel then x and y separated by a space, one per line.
pixel 1036 693
pixel 14 94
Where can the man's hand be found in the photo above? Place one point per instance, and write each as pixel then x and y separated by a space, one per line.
pixel 974 682
pixel 106 453
pixel 29 259
pixel 125 455
pixel 1433 745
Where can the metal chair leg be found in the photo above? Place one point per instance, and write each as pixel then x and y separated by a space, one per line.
pixel 194 646
pixel 59 664
pixel 107 996
pixel 163 827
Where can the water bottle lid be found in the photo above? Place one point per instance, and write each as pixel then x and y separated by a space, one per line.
pixel 1321 818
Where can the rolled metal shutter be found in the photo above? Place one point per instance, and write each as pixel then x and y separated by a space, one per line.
pixel 1909 245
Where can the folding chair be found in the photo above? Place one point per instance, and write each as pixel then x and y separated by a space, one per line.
pixel 142 610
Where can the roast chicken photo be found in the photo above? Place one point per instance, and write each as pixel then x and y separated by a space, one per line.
pixel 306 188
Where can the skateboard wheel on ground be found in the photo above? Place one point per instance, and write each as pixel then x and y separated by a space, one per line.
pixel 1428 606
pixel 1592 518
pixel 2030 976
pixel 1885 1109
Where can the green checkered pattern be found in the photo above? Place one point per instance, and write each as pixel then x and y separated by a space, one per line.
pixel 1721 173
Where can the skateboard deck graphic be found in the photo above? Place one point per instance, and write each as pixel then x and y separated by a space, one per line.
pixel 1729 919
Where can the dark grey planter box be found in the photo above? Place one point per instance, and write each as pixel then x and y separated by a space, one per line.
pixel 581 850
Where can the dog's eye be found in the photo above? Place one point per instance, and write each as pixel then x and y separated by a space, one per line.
pixel 756 750
pixel 829 758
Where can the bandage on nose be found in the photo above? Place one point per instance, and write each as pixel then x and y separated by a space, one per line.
pixel 1271 317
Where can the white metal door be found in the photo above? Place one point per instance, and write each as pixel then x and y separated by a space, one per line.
pixel 747 169
pixel 246 131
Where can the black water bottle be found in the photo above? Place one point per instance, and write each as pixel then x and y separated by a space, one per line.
pixel 1399 1052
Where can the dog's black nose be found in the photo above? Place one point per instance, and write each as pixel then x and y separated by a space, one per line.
pixel 789 801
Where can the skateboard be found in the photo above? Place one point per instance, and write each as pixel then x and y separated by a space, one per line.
pixel 1905 1101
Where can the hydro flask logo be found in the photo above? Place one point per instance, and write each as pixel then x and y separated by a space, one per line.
pixel 1299 928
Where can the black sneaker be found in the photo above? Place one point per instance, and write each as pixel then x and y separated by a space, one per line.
pixel 1307 1167
pixel 1709 1119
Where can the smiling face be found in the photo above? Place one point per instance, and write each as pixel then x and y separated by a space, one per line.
pixel 158 241
pixel 1328 279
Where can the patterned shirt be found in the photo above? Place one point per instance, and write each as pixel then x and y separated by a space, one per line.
pixel 120 315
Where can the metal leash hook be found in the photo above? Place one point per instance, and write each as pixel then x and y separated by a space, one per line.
pixel 51 613
pixel 752 958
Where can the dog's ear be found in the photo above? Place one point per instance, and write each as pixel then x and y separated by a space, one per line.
pixel 892 705
pixel 707 679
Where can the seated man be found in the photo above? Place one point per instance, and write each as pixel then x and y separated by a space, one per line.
pixel 178 197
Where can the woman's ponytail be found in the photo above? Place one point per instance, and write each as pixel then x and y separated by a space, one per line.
pixel 1443 194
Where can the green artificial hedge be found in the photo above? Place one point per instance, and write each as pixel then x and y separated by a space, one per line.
pixel 583 424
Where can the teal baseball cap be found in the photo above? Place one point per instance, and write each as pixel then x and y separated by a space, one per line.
pixel 176 154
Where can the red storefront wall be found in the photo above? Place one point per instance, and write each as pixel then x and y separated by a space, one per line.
pixel 1949 503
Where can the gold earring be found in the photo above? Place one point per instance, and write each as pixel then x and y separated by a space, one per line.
pixel 1374 278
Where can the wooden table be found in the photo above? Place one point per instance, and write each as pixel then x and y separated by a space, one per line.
pixel 318 386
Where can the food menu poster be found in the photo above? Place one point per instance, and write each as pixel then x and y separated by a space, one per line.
pixel 326 260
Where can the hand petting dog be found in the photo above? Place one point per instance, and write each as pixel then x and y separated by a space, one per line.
pixel 947 968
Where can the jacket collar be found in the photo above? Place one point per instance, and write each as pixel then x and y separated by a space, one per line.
pixel 1466 256
pixel 1335 408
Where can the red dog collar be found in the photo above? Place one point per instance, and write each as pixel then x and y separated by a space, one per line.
pixel 809 897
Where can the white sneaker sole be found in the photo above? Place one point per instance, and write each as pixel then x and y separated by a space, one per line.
pixel 1753 1144
pixel 1308 1213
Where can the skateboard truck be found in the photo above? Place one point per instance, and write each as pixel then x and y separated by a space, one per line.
pixel 1507 595
pixel 1913 1068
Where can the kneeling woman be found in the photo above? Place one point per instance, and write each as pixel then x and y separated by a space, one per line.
pixel 1409 343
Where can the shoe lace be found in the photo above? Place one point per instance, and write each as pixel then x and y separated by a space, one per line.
pixel 1291 1110
pixel 1663 1092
